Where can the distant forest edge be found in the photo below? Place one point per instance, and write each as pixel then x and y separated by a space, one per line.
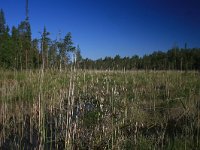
pixel 174 59
pixel 19 51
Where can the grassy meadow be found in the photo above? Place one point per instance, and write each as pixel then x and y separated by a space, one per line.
pixel 99 110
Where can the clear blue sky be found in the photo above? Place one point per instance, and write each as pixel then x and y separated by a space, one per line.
pixel 109 27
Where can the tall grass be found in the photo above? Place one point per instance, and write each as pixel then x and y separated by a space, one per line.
pixel 99 110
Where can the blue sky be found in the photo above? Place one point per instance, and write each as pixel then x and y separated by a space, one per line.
pixel 109 27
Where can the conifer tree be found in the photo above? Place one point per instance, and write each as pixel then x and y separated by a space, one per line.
pixel 6 46
pixel 16 46
pixel 2 22
pixel 65 47
pixel 35 52
pixel 25 37
pixel 45 40
pixel 78 57
pixel 69 48
pixel 53 55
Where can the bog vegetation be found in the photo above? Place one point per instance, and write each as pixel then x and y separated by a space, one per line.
pixel 99 110
pixel 52 98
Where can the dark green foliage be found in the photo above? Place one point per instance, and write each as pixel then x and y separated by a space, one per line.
pixel 2 22
pixel 53 56
pixel 68 42
pixel 6 44
pixel 78 54
pixel 19 51
pixel 36 55
pixel 45 40
pixel 65 47
pixel 6 51
pixel 24 30
pixel 174 59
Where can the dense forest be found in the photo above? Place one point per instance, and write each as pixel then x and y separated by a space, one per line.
pixel 18 50
pixel 173 59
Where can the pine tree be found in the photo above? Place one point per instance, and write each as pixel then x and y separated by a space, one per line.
pixel 6 51
pixel 78 57
pixel 53 55
pixel 65 47
pixel 69 48
pixel 16 46
pixel 36 56
pixel 2 30
pixel 25 37
pixel 2 22
pixel 45 40
pixel 69 43
pixel 6 45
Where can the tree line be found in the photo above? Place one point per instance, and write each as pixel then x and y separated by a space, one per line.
pixel 19 51
pixel 174 59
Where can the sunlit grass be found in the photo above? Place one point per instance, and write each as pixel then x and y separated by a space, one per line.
pixel 99 109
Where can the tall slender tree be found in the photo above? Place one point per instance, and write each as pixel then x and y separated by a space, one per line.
pixel 65 47
pixel 16 46
pixel 78 57
pixel 25 37
pixel 35 52
pixel 45 40
pixel 53 54
pixel 6 46
pixel 2 22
